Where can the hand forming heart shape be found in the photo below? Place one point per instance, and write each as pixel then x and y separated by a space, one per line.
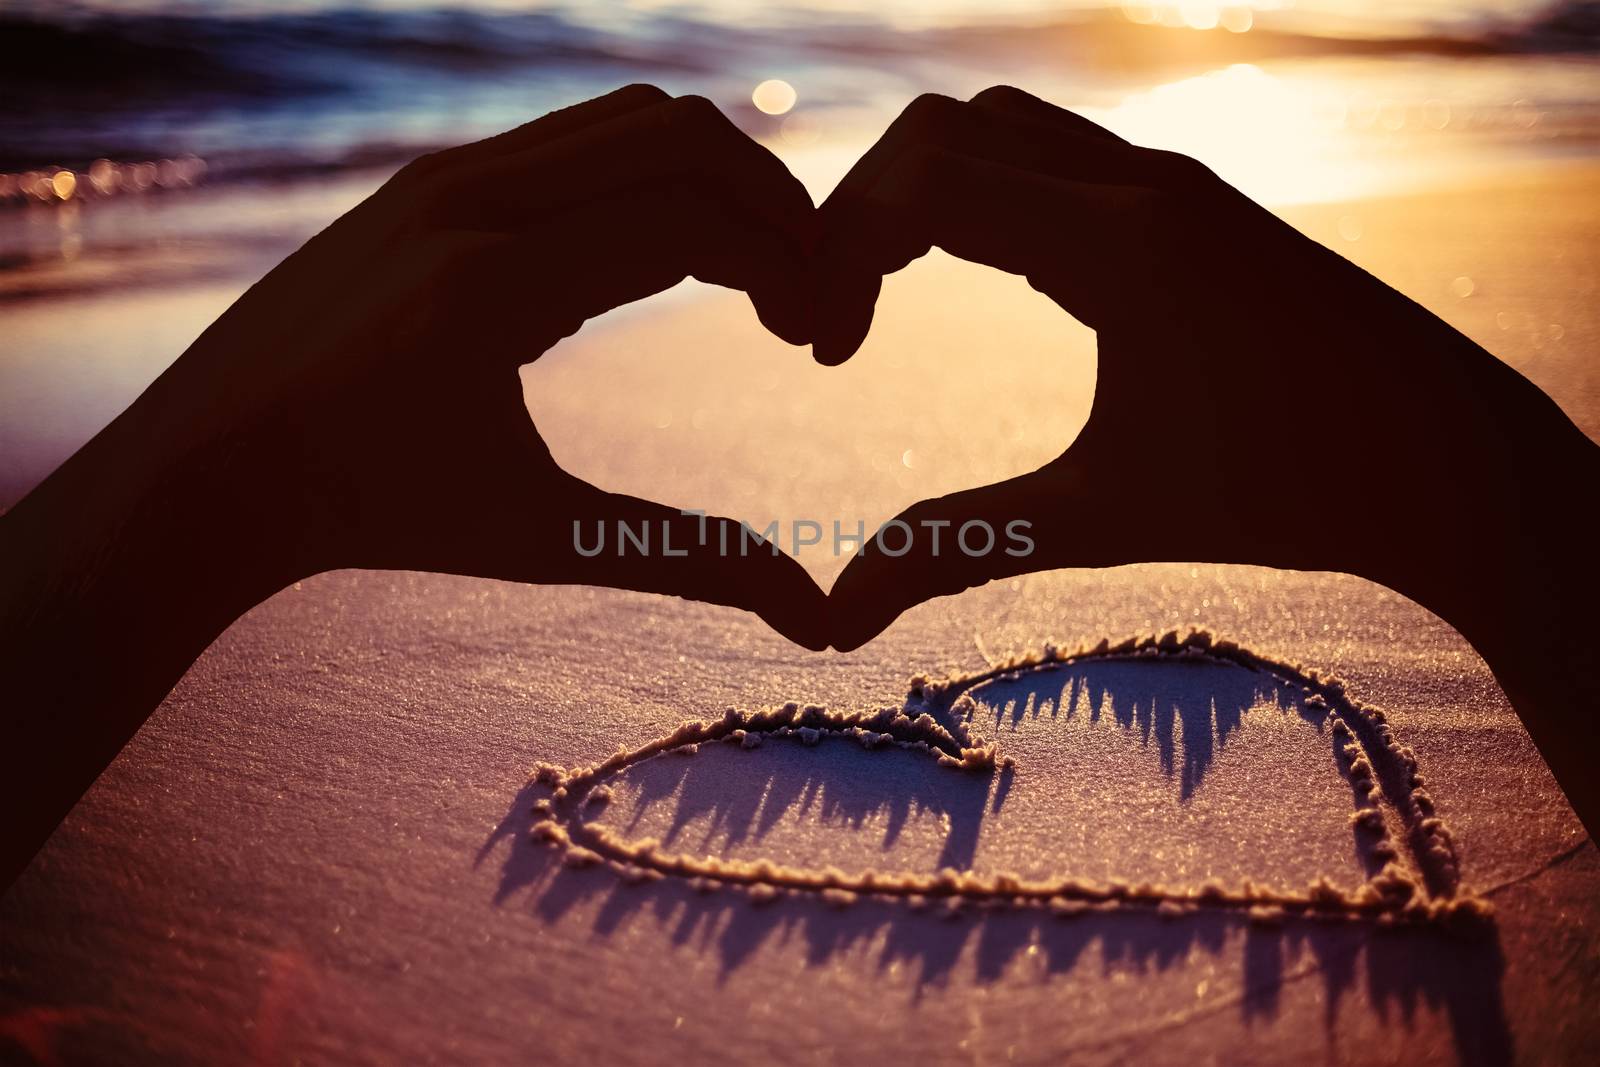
pixel 490 253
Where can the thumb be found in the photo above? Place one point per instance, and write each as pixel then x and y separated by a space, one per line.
pixel 626 543
pixel 1041 521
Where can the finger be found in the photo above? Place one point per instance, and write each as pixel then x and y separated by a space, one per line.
pixel 398 197
pixel 683 138
pixel 620 169
pixel 622 542
pixel 542 130
pixel 848 284
pixel 1008 127
pixel 1090 247
pixel 1054 517
pixel 1060 142
pixel 516 516
pixel 1005 125
pixel 1015 102
pixel 607 254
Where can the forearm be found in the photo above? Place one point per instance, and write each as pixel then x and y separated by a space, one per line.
pixel 1533 620
pixel 1512 567
pixel 115 574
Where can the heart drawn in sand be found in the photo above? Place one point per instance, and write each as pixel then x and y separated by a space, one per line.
pixel 1414 878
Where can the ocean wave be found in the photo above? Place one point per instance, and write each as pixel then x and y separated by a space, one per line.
pixel 83 82
pixel 77 59
pixel 61 49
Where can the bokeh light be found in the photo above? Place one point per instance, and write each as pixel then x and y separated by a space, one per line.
pixel 774 97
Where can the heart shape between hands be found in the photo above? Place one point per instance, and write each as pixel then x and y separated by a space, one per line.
pixel 911 191
pixel 614 200
pixel 1146 247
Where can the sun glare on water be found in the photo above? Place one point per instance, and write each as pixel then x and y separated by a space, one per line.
pixel 1280 139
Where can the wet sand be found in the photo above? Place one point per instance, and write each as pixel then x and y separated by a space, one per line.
pixel 318 848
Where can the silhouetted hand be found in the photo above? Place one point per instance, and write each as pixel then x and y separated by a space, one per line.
pixel 1259 400
pixel 376 369
pixel 360 407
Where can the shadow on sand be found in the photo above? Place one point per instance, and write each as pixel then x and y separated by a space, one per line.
pixel 1188 723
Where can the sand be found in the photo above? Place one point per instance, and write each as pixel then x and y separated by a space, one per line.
pixel 319 849
pixel 1147 686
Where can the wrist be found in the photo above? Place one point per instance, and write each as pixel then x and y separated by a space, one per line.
pixel 115 574
pixel 145 523
pixel 1503 555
